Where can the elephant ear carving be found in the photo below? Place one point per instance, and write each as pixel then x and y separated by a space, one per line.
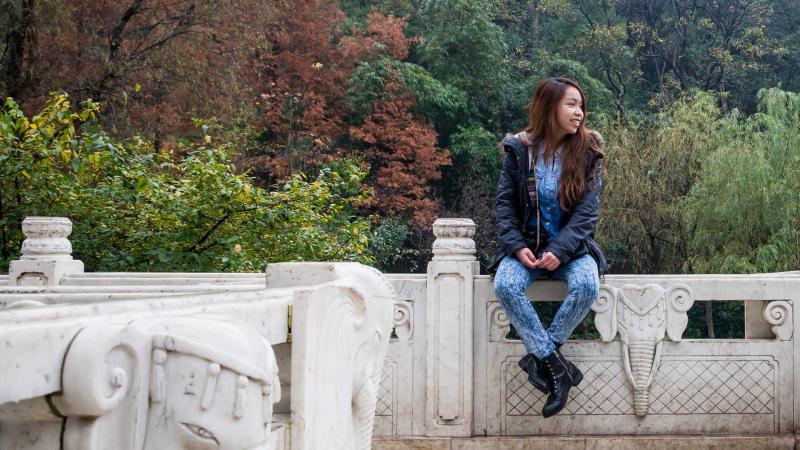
pixel 680 298
pixel 101 383
pixel 605 312
pixel 99 371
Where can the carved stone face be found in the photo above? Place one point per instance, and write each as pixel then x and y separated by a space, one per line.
pixel 202 409
pixel 642 312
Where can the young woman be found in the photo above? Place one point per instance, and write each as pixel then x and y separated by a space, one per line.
pixel 548 199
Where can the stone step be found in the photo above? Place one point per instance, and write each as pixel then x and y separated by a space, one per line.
pixel 787 441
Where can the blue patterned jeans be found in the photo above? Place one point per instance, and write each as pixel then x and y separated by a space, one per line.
pixel 513 278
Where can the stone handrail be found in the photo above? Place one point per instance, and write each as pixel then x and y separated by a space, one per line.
pixel 197 360
pixel 642 376
pixel 449 371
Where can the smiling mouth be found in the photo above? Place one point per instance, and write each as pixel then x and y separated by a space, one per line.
pixel 576 122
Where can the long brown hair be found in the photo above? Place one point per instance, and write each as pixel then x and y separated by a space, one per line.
pixel 578 148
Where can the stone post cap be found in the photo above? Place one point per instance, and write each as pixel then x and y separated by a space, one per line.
pixel 454 240
pixel 46 238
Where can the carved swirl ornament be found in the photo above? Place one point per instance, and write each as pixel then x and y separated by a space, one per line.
pixel 403 312
pixel 500 318
pixel 499 323
pixel 680 298
pixel 778 314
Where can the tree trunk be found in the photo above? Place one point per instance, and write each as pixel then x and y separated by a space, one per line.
pixel 533 7
pixel 20 27
pixel 709 318
pixel 722 101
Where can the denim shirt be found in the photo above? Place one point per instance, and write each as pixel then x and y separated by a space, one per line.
pixel 547 175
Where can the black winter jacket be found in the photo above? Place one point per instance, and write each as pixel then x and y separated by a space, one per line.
pixel 513 209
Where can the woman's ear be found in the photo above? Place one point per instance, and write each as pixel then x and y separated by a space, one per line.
pixel 597 138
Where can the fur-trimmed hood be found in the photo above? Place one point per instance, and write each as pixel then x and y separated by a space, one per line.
pixel 525 138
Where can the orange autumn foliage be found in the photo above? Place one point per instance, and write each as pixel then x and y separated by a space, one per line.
pixel 310 61
pixel 308 67
pixel 282 68
pixel 402 149
pixel 153 64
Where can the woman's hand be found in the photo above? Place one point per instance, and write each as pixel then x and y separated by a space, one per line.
pixel 526 257
pixel 548 262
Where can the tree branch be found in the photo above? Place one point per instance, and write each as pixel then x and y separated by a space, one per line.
pixel 194 248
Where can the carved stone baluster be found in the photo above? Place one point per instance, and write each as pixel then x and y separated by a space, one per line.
pixel 449 306
pixel 46 253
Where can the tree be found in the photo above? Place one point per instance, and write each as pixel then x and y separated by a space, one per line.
pixel 742 213
pixel 402 151
pixel 145 60
pixel 136 208
pixel 463 48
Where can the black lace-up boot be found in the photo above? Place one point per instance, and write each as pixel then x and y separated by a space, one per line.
pixel 559 380
pixel 531 365
pixel 577 375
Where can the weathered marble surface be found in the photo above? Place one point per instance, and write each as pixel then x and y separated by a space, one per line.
pixel 201 361
pixel 199 381
pixel 673 442
pixel 697 386
pixel 449 371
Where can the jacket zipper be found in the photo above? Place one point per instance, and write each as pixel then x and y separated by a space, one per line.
pixel 525 196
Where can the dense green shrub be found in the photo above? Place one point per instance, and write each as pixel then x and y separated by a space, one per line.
pixel 185 209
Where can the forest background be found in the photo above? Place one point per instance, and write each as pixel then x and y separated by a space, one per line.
pixel 212 135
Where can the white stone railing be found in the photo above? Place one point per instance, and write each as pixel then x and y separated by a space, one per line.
pixel 452 355
pixel 287 359
pixel 450 371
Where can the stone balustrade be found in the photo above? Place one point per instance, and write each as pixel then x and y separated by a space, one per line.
pixel 287 359
pixel 452 353
pixel 450 377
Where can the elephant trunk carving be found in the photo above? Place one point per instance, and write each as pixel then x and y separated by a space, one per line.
pixel 642 367
pixel 643 316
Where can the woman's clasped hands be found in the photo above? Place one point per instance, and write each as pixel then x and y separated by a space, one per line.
pixel 548 261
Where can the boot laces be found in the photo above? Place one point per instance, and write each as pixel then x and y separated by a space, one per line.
pixel 552 376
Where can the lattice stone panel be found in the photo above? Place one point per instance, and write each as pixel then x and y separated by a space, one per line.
pixel 679 387
pixel 713 387
pixel 604 390
pixel 385 393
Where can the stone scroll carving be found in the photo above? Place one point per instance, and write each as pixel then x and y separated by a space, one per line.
pixel 198 371
pixel 403 320
pixel 642 315
pixel 779 315
pixel 155 383
pixel 499 323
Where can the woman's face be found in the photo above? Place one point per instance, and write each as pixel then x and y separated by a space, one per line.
pixel 570 112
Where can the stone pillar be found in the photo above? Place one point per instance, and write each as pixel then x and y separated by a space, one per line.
pixel 46 253
pixel 449 329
